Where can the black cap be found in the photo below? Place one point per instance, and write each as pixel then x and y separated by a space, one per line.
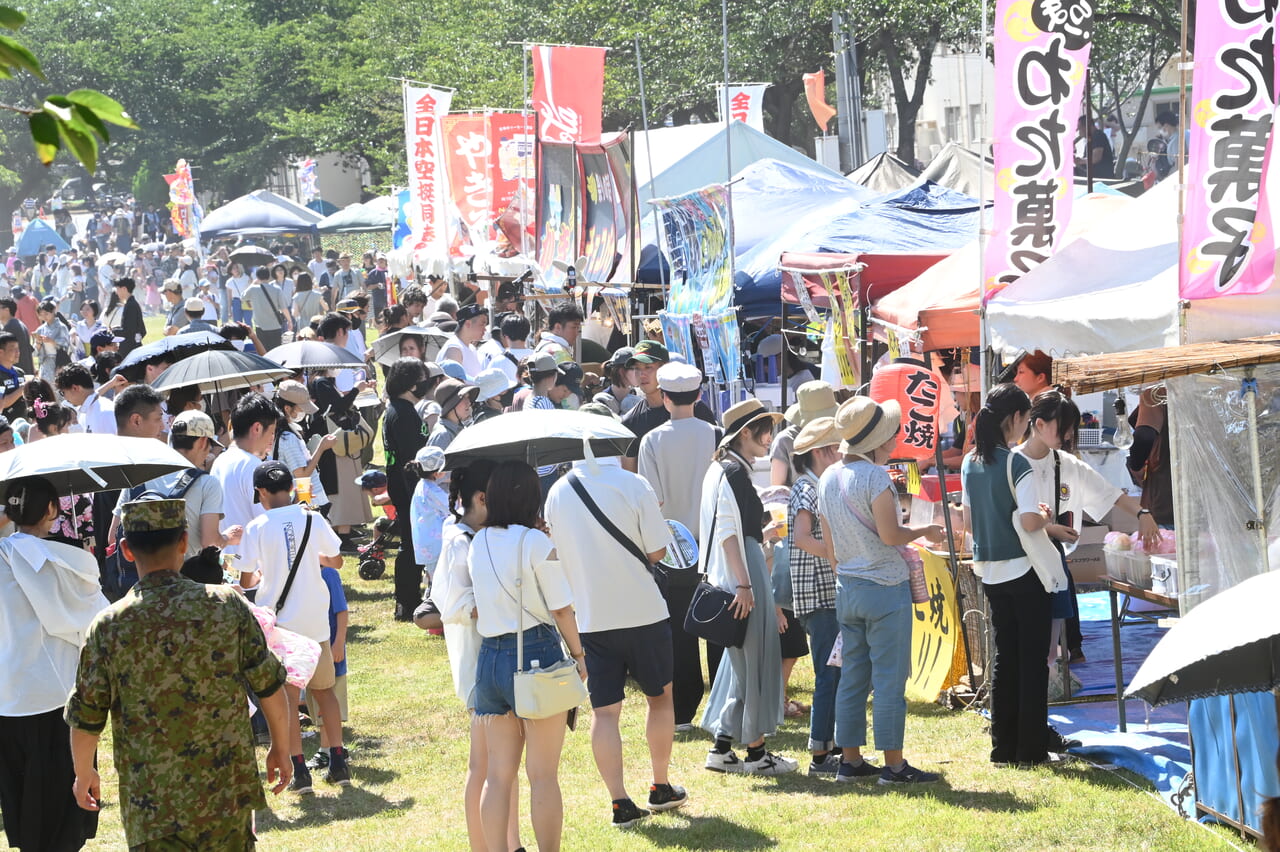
pixel 569 375
pixel 472 311
pixel 273 476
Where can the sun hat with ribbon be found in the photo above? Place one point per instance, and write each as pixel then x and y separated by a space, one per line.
pixel 821 432
pixel 742 415
pixel 813 400
pixel 865 425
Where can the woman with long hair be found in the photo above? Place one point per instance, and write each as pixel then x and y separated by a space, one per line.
pixel 49 593
pixel 746 702
pixel 237 282
pixel 453 601
pixel 511 557
pixel 860 516
pixel 1020 607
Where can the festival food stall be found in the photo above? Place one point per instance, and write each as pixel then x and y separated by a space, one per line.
pixel 1223 411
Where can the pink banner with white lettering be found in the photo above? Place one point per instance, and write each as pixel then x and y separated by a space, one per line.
pixel 424 111
pixel 1042 50
pixel 1228 244
pixel 568 92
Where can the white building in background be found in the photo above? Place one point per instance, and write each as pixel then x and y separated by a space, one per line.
pixel 339 183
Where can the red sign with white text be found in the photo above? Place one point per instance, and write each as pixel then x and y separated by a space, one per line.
pixel 568 92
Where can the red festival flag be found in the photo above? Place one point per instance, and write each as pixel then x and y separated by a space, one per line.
pixel 568 92
pixel 468 153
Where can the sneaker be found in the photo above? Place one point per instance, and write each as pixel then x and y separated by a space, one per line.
pixel 338 772
pixel 770 764
pixel 348 547
pixel 666 797
pixel 908 774
pixel 301 782
pixel 848 773
pixel 684 727
pixel 319 760
pixel 626 813
pixel 726 762
pixel 1058 744
pixel 826 764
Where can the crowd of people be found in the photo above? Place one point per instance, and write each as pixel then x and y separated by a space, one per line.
pixel 283 483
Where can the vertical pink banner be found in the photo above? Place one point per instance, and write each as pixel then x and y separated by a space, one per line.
pixel 1228 239
pixel 1042 50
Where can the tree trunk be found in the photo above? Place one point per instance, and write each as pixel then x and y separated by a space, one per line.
pixel 907 104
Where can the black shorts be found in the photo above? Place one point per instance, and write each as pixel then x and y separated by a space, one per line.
pixel 642 652
pixel 794 642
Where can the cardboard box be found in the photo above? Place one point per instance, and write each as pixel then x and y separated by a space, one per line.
pixel 1086 562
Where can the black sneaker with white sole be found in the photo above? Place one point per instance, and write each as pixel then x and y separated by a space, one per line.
pixel 824 764
pixel 301 781
pixel 338 771
pixel 908 774
pixel 666 797
pixel 626 813
pixel 1058 744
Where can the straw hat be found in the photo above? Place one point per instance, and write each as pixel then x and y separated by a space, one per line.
pixel 866 425
pixel 742 415
pixel 821 432
pixel 813 400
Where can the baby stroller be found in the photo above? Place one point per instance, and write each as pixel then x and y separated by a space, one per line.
pixel 373 561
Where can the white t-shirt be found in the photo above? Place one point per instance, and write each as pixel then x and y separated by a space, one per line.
pixel 234 469
pixel 189 281
pixel 98 415
pixel 1083 488
pixel 270 545
pixel 469 357
pixel 673 459
pixel 204 497
pixel 503 363
pixel 612 590
pixel 496 560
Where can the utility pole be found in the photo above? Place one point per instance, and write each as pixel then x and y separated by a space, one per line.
pixel 848 96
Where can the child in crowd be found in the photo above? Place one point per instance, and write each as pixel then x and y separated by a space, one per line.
pixel 338 643
pixel 430 511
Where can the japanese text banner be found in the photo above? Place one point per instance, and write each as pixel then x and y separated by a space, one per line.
pixel 1227 242
pixel 568 92
pixel 468 152
pixel 746 103
pixel 1042 50
pixel 424 111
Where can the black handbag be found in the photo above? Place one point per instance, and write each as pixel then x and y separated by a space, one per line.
pixel 710 618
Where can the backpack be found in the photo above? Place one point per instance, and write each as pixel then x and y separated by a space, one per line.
pixel 177 491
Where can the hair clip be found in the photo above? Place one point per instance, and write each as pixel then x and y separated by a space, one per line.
pixel 41 407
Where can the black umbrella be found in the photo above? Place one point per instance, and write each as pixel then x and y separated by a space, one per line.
pixel 217 370
pixel 249 256
pixel 314 355
pixel 173 348
pixel 539 437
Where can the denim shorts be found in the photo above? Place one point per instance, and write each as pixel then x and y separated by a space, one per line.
pixel 495 693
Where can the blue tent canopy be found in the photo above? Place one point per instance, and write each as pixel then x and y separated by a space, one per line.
pixel 36 236
pixel 259 212
pixel 924 217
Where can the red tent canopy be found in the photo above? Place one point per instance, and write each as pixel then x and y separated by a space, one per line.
pixel 881 275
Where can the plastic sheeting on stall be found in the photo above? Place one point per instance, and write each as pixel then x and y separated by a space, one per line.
pixel 1221 744
pixel 1213 480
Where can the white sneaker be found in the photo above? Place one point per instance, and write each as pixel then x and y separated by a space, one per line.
pixel 727 762
pixel 770 764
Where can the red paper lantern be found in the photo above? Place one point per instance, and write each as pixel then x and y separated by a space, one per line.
pixel 924 397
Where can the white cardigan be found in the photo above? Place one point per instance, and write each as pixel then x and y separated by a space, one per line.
pixel 719 509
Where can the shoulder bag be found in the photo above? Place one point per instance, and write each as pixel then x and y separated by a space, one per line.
pixel 1045 558
pixel 293 569
pixel 709 616
pixel 660 576
pixel 266 294
pixel 539 692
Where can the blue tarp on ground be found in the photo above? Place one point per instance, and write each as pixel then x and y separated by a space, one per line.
pixel 925 217
pixel 259 212
pixel 36 236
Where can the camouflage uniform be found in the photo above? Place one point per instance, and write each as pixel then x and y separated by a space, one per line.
pixel 170 661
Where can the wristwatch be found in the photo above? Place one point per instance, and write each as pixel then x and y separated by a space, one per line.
pixel 1142 512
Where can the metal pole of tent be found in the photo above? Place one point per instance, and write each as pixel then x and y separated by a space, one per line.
pixel 728 152
pixel 984 352
pixel 648 151
pixel 1249 389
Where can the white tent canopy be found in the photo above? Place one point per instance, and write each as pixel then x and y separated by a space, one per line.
pixel 1115 289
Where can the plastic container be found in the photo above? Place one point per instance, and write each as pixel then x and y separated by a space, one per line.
pixel 1164 575
pixel 1128 566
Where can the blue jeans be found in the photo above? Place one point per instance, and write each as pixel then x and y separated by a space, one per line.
pixel 495 693
pixel 875 625
pixel 822 627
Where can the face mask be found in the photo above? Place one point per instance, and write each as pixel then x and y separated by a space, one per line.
pixel 297 418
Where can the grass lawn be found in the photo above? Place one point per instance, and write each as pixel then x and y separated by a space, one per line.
pixel 409 739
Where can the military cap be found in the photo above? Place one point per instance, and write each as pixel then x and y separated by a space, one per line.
pixel 140 516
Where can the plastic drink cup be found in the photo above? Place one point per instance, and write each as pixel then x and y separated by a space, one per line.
pixel 779 514
pixel 302 488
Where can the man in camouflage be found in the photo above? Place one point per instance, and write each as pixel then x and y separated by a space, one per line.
pixel 172 657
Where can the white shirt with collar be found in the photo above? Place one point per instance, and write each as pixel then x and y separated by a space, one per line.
pixel 612 589
pixel 98 415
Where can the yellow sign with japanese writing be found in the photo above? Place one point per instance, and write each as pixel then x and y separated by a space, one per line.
pixel 934 628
